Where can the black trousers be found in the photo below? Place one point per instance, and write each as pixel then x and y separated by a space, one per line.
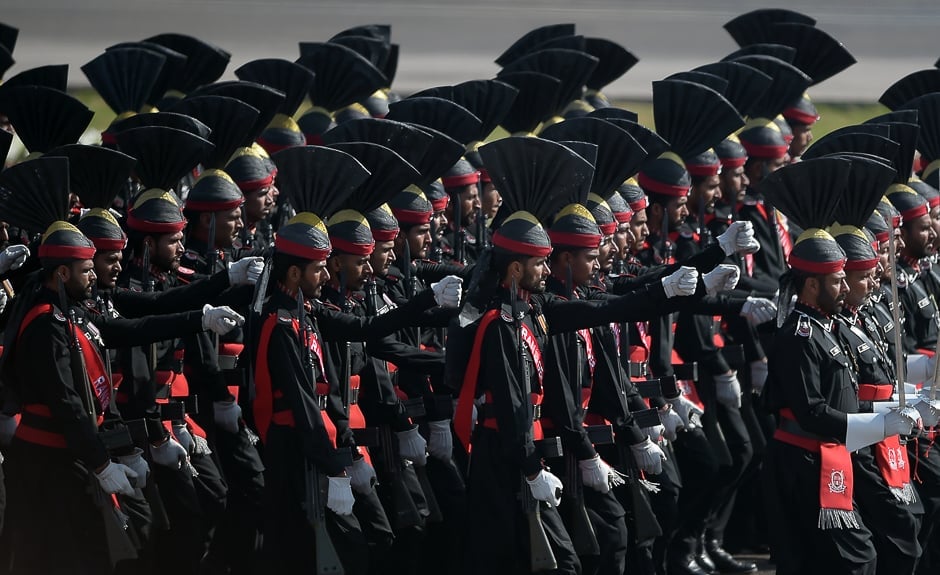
pixel 925 459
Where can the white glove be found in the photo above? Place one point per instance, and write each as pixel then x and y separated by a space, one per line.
pixel 671 422
pixel 245 271
pixel 339 496
pixel 412 446
pixel 739 237
pixel 598 475
pixel 361 476
pixel 728 390
pixel 4 299
pixel 546 487
pixel 7 428
pixel 220 320
pixel 758 376
pixel 649 457
pixel 723 278
pixel 182 435
pixel 13 257
pixel 447 291
pixel 115 479
pixel 654 433
pixel 758 310
pixel 227 415
pixel 681 282
pixel 138 465
pixel 685 409
pixel 902 421
pixel 201 446
pixel 929 411
pixel 440 441
pixel 170 453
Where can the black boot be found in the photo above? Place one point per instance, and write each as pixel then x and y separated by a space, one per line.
pixel 680 558
pixel 701 556
pixel 725 562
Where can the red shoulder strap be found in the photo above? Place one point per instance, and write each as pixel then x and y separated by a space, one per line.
pixel 464 411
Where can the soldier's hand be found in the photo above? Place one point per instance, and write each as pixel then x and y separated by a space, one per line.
pixel 649 456
pixel 685 409
pixel 440 440
pixel 361 476
pixel 4 299
pixel 412 446
pixel 739 238
pixel 681 282
pixel 758 376
pixel 902 421
pixel 245 271
pixel 170 453
pixel 728 390
pixel 13 257
pixel 929 411
pixel 654 433
pixel 136 462
pixel 447 291
pixel 671 421
pixel 184 438
pixel 339 496
pixel 220 320
pixel 115 479
pixel 598 475
pixel 723 278
pixel 758 310
pixel 546 487
pixel 7 428
pixel 228 415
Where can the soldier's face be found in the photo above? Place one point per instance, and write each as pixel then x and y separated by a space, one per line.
pixel 108 268
pixel 861 284
pixel 419 238
pixel 259 203
pixel 166 251
pixel 583 264
pixel 382 256
pixel 490 201
pixel 884 258
pixel 831 292
pixel 639 228
pixel 469 203
pixel 438 224
pixel 312 278
pixel 707 191
pixel 607 252
pixel 935 222
pixel 733 183
pixel 919 236
pixel 802 136
pixel 78 279
pixel 227 225
pixel 534 273
pixel 354 269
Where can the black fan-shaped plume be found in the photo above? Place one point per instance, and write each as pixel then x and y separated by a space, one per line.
pixel 407 141
pixel 818 55
pixel 937 63
pixel 317 179
pixel 6 140
pixel 35 193
pixel 443 153
pixel 752 27
pixel 534 102
pixel 391 66
pixel 96 174
pixel 164 120
pixel 745 84
pixel 289 78
pixel 613 113
pixel 779 51
pixel 8 36
pixel 530 41
pixel 869 177
pixel 570 67
pixel 172 66
pixel 389 175
pixel 55 76
pixel 808 192
pixel 372 49
pixel 446 92
pixel 442 115
pixel 906 136
pixel 229 119
pixel 912 86
pixel 488 100
pixel 619 156
pixel 535 175
pixel 205 63
pixel 44 118
pixel 265 99
pixel 871 139
pixel 653 143
pixel 928 114
pixel 343 77
pixel 6 61
pixel 576 43
pixel 716 83
pixel 377 31
pixel 613 62
pixel 124 77
pixel 164 155
pixel 692 117
pixel 906 116
pixel 789 84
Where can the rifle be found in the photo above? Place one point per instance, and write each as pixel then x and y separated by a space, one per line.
pixel 327 558
pixel 148 287
pixel 703 232
pixel 896 317
pixel 459 245
pixel 346 372
pixel 120 546
pixel 437 251
pixel 541 556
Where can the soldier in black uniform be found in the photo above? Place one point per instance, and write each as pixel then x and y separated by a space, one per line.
pixel 462 184
pixel 506 366
pixel 813 387
pixel 255 173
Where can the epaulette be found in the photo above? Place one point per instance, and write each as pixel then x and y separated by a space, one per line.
pixel 392 279
pixel 804 326
pixel 903 278
pixel 194 256
pixel 285 316
pixel 184 274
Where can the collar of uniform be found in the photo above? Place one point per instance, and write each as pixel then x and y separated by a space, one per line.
pixel 813 312
pixel 156 274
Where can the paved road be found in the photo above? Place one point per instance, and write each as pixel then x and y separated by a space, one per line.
pixel 448 41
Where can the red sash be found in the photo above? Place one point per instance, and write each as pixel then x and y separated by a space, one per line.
pixel 895 468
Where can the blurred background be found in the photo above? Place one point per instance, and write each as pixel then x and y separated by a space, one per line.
pixel 449 41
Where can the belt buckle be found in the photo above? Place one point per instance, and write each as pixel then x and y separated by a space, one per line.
pixel 354 396
pixel 639 368
pixel 321 402
pixel 536 412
